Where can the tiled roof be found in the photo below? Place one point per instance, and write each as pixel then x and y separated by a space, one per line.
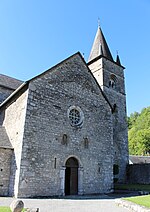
pixel 139 159
pixel 9 82
pixel 4 140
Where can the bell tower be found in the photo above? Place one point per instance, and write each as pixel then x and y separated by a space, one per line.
pixel 110 76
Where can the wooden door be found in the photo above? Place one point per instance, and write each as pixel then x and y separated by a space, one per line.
pixel 71 177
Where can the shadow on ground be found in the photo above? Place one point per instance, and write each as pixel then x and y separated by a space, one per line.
pixel 115 195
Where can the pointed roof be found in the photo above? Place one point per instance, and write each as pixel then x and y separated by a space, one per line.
pixel 100 47
pixel 118 60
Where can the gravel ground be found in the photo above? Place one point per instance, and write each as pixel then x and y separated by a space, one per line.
pixel 101 203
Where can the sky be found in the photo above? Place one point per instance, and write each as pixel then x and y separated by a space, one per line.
pixel 37 34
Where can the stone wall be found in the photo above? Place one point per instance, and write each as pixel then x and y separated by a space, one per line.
pixel 138 173
pixel 117 97
pixel 102 70
pixel 14 124
pixel 5 165
pixel 44 152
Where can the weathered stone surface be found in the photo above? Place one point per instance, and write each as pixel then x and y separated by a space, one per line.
pixel 39 126
pixel 46 123
pixel 138 173
pixel 5 164
pixel 17 206
pixel 103 70
pixel 14 124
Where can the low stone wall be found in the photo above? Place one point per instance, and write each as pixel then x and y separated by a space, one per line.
pixel 138 173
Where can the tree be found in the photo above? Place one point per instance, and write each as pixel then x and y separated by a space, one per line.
pixel 139 132
pixel 132 119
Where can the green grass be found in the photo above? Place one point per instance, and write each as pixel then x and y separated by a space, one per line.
pixel 140 200
pixel 6 209
pixel 135 187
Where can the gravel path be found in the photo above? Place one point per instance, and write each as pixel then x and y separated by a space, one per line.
pixel 102 203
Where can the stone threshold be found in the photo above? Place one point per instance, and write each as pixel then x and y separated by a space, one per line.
pixel 131 206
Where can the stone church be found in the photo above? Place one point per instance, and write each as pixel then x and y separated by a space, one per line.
pixel 62 132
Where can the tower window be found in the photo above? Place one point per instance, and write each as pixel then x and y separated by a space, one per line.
pixel 115 109
pixel 113 81
pixel 112 84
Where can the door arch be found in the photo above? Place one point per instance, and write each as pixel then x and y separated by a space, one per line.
pixel 71 176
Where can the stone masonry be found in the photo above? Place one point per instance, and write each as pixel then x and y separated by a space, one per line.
pixel 103 69
pixel 14 125
pixel 63 130
pixel 5 162
pixel 68 84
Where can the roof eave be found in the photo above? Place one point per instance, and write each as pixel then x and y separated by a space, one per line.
pixel 14 93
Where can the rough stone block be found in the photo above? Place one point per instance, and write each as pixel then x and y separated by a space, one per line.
pixel 17 206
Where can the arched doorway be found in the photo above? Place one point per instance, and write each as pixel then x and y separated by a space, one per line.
pixel 71 176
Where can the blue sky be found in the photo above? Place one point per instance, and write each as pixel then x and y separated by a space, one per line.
pixel 35 35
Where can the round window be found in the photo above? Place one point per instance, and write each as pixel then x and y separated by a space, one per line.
pixel 75 116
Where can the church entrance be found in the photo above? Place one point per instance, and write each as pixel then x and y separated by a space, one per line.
pixel 71 176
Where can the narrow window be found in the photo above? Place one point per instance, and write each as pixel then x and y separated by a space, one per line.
pixel 86 143
pixel 64 139
pixel 55 164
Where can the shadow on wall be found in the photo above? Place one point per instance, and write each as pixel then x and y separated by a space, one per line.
pixel 138 173
pixel 2 115
pixel 13 168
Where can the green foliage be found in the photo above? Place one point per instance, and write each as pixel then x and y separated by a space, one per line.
pixel 139 132
pixel 4 209
pixel 132 119
pixel 7 209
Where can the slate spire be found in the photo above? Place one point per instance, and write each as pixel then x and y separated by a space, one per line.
pixel 100 47
pixel 118 60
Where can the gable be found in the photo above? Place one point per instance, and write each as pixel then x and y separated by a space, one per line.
pixel 70 76
pixel 69 71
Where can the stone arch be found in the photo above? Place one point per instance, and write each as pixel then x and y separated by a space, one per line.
pixel 63 176
pixel 73 156
pixel 113 81
pixel 71 176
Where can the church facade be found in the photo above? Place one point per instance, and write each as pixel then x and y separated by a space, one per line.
pixel 63 130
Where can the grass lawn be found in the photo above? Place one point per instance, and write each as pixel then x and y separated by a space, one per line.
pixel 135 187
pixel 6 209
pixel 140 200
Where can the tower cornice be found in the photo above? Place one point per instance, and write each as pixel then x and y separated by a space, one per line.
pixel 101 56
